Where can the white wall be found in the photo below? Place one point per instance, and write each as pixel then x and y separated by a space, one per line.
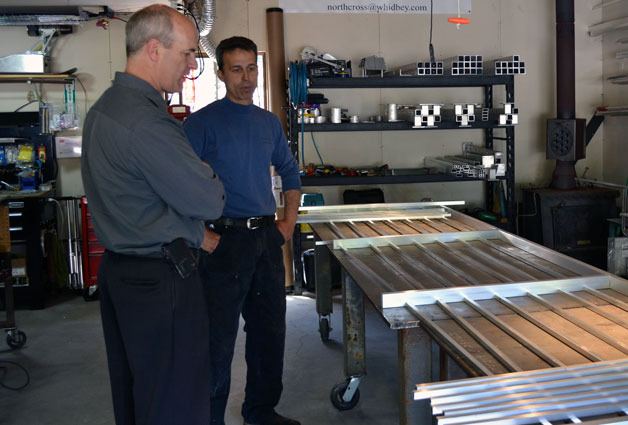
pixel 498 28
pixel 615 154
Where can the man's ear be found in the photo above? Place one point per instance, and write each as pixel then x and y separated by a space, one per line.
pixel 221 75
pixel 153 49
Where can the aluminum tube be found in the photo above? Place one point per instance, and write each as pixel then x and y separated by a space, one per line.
pixel 433 328
pixel 559 336
pixel 393 226
pixel 608 299
pixel 590 329
pixel 532 415
pixel 501 357
pixel 475 264
pixel 440 389
pixel 563 382
pixel 409 223
pixel 609 316
pixel 374 228
pixel 577 394
pixel 523 340
pixel 410 282
pixel 334 228
pixel 501 249
pixel 498 264
pixel 455 270
pixel 417 265
pixel 539 395
pixel 353 227
pixel 365 269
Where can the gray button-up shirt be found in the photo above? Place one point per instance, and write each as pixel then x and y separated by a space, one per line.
pixel 145 185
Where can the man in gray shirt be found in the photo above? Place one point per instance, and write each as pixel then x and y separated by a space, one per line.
pixel 147 188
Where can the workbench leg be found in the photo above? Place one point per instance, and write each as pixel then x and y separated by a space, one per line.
pixel 346 395
pixel 324 306
pixel 354 334
pixel 414 347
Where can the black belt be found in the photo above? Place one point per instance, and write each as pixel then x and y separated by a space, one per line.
pixel 250 223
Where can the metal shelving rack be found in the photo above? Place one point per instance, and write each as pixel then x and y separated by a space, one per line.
pixel 487 82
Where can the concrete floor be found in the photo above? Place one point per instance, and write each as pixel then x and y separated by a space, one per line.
pixel 65 357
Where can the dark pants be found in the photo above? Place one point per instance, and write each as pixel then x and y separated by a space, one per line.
pixel 156 333
pixel 246 275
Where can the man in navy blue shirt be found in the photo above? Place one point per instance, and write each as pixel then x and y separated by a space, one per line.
pixel 245 273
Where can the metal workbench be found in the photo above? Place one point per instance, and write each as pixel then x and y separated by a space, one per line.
pixel 331 223
pixel 491 301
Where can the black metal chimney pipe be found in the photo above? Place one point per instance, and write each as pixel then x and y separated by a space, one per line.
pixel 565 171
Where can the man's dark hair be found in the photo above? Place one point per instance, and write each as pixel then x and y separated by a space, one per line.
pixel 231 44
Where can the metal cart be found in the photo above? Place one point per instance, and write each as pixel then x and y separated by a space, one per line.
pixel 15 338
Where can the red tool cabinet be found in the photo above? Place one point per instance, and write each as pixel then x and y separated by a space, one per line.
pixel 92 252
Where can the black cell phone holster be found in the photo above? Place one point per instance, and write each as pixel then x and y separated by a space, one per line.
pixel 179 254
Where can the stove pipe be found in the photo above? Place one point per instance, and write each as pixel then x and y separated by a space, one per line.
pixel 565 171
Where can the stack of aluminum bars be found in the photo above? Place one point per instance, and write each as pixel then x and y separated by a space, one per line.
pixel 490 159
pixel 426 115
pixel 466 65
pixel 508 65
pixel 507 115
pixel 465 113
pixel 417 68
pixel 363 221
pixel 457 166
pixel 575 393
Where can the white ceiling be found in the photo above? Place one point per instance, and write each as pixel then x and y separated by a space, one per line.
pixel 121 6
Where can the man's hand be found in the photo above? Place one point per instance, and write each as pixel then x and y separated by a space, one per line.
pixel 286 228
pixel 291 210
pixel 210 241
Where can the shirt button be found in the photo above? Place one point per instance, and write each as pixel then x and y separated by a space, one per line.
pixel 214 176
pixel 223 196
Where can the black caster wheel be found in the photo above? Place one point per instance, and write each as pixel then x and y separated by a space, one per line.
pixel 336 397
pixel 324 328
pixel 90 293
pixel 16 339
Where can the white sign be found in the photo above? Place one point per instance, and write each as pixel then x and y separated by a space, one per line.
pixel 69 146
pixel 376 6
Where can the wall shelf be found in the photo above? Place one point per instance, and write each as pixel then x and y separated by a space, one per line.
pixel 395 126
pixel 415 82
pixel 63 78
pixel 486 82
pixel 362 180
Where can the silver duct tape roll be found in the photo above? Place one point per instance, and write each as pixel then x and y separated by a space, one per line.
pixel 336 115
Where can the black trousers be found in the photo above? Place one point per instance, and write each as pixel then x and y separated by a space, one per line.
pixel 245 275
pixel 157 338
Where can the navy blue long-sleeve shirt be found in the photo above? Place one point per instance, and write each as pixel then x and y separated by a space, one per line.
pixel 240 142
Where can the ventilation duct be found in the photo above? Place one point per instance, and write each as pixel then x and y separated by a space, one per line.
pixel 205 14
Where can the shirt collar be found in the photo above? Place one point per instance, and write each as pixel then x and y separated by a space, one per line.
pixel 135 83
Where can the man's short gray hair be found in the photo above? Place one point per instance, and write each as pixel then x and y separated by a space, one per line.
pixel 154 21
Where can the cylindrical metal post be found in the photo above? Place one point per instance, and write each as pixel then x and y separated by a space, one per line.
pixel 565 171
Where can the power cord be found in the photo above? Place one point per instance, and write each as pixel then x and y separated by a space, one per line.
pixel 4 369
